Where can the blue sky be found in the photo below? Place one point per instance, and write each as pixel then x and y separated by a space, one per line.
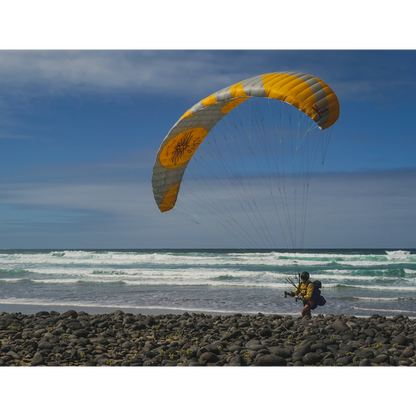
pixel 79 131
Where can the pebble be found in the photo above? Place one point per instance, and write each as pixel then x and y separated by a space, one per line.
pixel 196 339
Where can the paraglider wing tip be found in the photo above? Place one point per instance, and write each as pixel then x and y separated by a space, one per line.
pixel 165 207
pixel 169 200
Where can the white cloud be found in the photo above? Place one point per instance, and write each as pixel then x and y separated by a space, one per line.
pixel 103 71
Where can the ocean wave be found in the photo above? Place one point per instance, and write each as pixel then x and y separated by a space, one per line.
pixel 378 299
pixel 198 277
pixel 77 281
pixel 271 260
pixel 58 254
pixel 368 273
pixel 110 272
pixel 195 276
pixel 347 279
pixel 398 253
pixel 390 288
pixel 151 282
pixel 12 272
pixel 384 310
pixel 18 280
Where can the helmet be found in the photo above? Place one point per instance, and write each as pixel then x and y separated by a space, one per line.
pixel 304 276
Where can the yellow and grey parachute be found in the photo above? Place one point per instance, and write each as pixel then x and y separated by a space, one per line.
pixel 305 92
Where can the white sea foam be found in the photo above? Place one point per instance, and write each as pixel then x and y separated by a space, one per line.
pixel 398 254
pixel 42 303
pixel 383 310
pixel 384 288
pixel 378 299
pixel 175 277
pixel 273 259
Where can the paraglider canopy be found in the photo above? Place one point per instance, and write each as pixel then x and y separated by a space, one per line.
pixel 307 93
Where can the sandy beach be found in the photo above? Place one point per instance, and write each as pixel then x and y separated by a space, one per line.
pixel 162 338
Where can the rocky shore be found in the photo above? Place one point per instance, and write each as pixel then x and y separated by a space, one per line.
pixel 124 339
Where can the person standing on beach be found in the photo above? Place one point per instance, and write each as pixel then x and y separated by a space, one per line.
pixel 305 288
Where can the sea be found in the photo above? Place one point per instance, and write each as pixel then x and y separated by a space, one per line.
pixel 354 282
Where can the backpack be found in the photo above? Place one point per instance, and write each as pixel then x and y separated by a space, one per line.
pixel 317 298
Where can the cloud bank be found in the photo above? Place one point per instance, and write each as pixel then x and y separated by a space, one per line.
pixel 344 211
